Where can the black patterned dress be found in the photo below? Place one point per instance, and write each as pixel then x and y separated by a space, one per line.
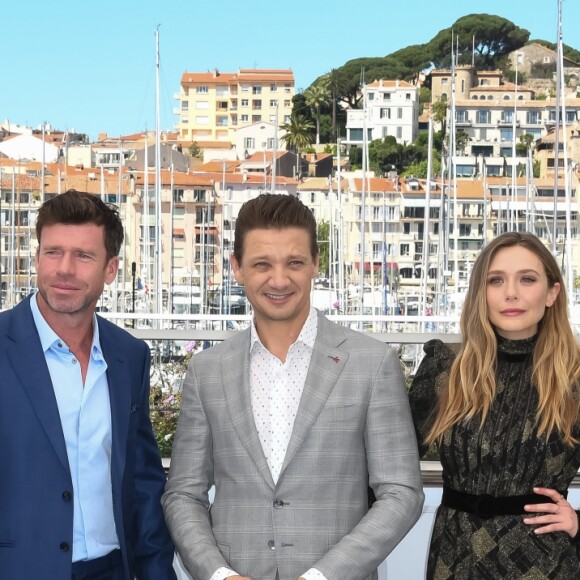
pixel 504 458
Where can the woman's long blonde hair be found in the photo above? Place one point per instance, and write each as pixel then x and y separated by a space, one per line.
pixel 471 386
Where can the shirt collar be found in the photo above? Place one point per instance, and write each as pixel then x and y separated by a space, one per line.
pixel 48 338
pixel 307 335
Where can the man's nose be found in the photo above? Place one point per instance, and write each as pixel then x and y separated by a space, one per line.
pixel 279 277
pixel 66 264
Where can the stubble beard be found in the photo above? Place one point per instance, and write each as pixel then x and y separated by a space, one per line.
pixel 66 305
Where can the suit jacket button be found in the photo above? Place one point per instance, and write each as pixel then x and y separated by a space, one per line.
pixel 278 504
pixel 66 495
pixel 64 547
pixel 272 545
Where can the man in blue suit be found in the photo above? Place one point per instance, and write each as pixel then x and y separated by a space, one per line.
pixel 81 477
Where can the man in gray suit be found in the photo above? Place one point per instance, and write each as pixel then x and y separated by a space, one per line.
pixel 290 420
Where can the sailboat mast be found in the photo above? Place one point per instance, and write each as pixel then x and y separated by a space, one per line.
pixel 158 228
pixel 363 207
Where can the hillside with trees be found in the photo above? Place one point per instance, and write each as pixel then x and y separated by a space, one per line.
pixel 484 39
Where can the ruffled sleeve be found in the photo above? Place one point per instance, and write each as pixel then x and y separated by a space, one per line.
pixel 424 389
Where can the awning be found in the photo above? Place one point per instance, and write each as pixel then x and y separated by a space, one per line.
pixel 208 230
pixel 178 233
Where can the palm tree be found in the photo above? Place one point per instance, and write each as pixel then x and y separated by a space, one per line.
pixel 317 96
pixel 298 134
pixel 336 83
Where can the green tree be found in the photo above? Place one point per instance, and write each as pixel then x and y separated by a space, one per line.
pixel 317 96
pixel 299 134
pixel 420 169
pixel 337 83
pixel 323 236
pixel 439 112
pixel 461 141
pixel 494 37
pixel 195 151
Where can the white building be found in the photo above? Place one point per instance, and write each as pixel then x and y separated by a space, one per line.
pixel 392 109
pixel 30 148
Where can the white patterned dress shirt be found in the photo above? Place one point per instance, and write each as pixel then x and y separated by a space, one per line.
pixel 276 388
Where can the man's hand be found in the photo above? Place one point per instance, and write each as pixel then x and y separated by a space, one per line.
pixel 558 516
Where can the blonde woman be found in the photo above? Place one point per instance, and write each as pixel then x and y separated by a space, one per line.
pixel 502 411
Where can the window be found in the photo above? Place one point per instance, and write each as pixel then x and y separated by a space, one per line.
pixel 483 117
pixel 244 118
pixel 507 116
pixel 286 103
pixel 407 96
pixel 202 90
pixel 533 117
pixel 355 134
pixel 399 132
pixel 405 250
pixel 256 104
pixel 178 195
pixel 385 113
pixel 256 118
pixel 199 195
pixel 570 116
pixel 221 91
pixel 256 90
pixel 202 120
pixel 273 87
pixel 461 116
pixel 444 81
pixel 399 113
pixel 506 134
pixel 245 88
pixel 249 142
pixel 386 96
pixel 371 96
pixel 482 135
pixel 273 103
pixel 184 105
pixel 245 103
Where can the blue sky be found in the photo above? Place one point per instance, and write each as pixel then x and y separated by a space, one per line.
pixel 90 66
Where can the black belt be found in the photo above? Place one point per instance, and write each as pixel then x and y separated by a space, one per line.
pixel 110 561
pixel 486 506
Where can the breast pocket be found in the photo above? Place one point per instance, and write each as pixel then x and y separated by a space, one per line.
pixel 346 414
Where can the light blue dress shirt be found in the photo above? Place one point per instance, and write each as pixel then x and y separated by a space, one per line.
pixel 85 415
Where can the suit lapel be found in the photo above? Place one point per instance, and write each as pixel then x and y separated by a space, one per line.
pixel 29 363
pixel 119 383
pixel 235 369
pixel 326 365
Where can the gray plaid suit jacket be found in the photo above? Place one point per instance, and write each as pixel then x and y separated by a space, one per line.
pixel 353 427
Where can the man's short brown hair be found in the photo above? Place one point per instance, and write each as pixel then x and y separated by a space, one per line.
pixel 78 207
pixel 274 212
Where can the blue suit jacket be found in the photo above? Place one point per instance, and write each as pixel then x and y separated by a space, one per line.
pixel 36 507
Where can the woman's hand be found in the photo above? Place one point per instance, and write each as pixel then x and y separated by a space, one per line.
pixel 556 517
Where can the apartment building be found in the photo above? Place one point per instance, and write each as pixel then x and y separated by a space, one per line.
pixel 391 108
pixel 213 105
pixel 496 117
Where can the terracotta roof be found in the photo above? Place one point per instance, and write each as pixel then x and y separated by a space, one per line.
pixel 217 165
pixel 374 184
pixel 243 75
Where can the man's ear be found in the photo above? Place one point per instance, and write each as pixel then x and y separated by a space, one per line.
pixel 237 270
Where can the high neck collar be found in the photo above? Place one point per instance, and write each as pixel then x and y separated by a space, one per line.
pixel 521 346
